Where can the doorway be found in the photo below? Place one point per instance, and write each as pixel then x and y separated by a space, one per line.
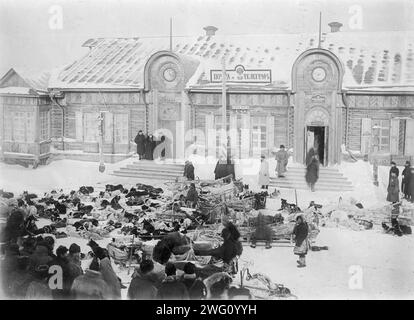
pixel 316 138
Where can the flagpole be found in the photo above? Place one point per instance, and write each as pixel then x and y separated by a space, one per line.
pixel 171 44
pixel 320 24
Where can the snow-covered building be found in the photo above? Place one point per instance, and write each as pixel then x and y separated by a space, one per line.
pixel 356 90
pixel 25 109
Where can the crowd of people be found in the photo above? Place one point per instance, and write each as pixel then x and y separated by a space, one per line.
pixel 34 267
pixel 407 183
pixel 146 145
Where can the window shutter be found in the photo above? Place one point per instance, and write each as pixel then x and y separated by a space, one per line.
pixel 365 135
pixel 210 135
pixel 409 137
pixel 109 127
pixel 394 134
pixel 270 134
pixel 79 125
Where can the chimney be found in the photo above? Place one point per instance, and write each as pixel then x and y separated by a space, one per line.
pixel 335 26
pixel 210 30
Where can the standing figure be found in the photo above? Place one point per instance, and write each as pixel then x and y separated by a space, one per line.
pixel 282 158
pixel 192 197
pixel 393 189
pixel 405 183
pixel 140 141
pixel 190 171
pixel 149 147
pixel 300 233
pixel 164 149
pixel 309 156
pixel 411 185
pixel 394 169
pixel 264 173
pixel 312 173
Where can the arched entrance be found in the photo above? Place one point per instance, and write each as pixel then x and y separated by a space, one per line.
pixel 317 133
pixel 316 95
pixel 166 75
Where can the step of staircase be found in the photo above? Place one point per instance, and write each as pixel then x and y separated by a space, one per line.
pixel 330 179
pixel 151 170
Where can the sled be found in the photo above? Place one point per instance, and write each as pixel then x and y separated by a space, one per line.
pixel 269 291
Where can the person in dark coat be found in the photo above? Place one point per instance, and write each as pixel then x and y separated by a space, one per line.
pixel 171 288
pixel 91 285
pixel 108 273
pixel 300 234
pixel 74 266
pixel 263 232
pixel 40 256
pixel 39 288
pixel 144 283
pixel 149 147
pixel 309 156
pixel 140 141
pixel 192 196
pixel 394 169
pixel 61 260
pixel 411 186
pixel 393 189
pixel 231 247
pixel 195 286
pixel 312 173
pixel 189 171
pixel 406 178
pixel 163 150
pixel 14 226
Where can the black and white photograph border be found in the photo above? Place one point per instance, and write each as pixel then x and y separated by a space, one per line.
pixel 206 150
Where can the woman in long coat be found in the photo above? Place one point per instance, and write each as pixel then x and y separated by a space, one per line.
pixel 405 183
pixel 264 173
pixel 300 233
pixel 393 189
pixel 312 173
pixel 149 147
pixel 282 158
pixel 411 186
pixel 140 141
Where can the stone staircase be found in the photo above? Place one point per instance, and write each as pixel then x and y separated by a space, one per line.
pixel 330 179
pixel 151 170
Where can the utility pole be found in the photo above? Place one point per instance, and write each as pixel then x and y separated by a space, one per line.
pixel 101 119
pixel 320 30
pixel 171 44
pixel 224 103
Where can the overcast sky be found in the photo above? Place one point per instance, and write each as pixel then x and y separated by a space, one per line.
pixel 32 36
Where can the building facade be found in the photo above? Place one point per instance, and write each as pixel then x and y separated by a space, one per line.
pixel 355 93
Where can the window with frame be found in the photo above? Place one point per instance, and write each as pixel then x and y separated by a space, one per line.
pixel 381 134
pixel 44 126
pixel 258 134
pixel 121 127
pixel 220 134
pixel 19 126
pixel 90 127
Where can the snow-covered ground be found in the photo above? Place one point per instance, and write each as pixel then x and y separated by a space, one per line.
pixel 358 265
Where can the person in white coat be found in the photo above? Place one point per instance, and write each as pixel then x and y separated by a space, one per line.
pixel 264 173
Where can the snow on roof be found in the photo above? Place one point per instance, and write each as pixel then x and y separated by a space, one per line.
pixel 30 82
pixel 16 90
pixel 371 59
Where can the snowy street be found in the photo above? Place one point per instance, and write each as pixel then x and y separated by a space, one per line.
pixel 357 265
